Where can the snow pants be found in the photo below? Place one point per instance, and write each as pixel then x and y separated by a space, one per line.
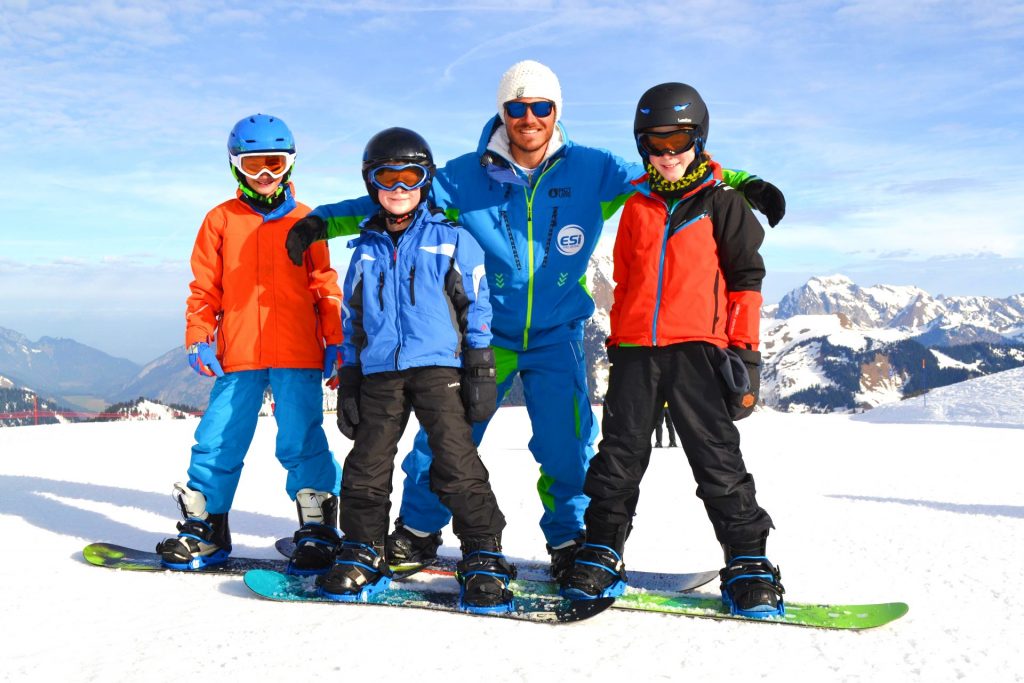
pixel 554 381
pixel 685 375
pixel 457 476
pixel 226 430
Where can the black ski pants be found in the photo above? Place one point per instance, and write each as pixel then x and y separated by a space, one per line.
pixel 457 476
pixel 641 380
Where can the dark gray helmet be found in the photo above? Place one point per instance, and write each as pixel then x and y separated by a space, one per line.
pixel 673 104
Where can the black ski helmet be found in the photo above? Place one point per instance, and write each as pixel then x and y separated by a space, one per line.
pixel 672 104
pixel 397 144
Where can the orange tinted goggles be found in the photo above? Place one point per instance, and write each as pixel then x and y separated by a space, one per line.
pixel 255 164
pixel 406 176
pixel 671 142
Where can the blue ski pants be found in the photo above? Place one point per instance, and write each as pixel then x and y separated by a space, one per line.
pixel 226 430
pixel 554 381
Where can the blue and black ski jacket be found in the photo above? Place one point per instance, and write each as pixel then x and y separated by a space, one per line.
pixel 416 303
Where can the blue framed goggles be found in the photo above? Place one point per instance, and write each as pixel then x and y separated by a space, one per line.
pixel 405 176
pixel 541 109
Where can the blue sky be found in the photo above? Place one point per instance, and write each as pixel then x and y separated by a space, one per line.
pixel 894 128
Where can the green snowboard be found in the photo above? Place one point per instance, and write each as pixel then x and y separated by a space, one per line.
pixel 842 617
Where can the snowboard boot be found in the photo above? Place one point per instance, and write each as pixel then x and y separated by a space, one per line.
pixel 751 585
pixel 317 540
pixel 483 575
pixel 360 571
pixel 203 539
pixel 597 572
pixel 405 546
pixel 562 558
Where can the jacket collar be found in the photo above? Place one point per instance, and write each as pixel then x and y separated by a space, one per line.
pixel 496 155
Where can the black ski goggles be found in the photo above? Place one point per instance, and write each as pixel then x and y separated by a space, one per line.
pixel 541 109
pixel 669 142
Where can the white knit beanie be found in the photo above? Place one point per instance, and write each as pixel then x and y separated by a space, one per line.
pixel 529 79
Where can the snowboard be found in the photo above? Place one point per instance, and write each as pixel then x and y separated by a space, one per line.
pixel 132 559
pixel 837 617
pixel 538 571
pixel 541 609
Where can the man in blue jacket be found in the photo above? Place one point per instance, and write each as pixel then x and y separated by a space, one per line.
pixel 536 202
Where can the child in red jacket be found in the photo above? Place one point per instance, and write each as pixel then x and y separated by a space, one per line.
pixel 275 326
pixel 684 329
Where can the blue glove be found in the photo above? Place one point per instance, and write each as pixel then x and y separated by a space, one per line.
pixel 204 361
pixel 332 361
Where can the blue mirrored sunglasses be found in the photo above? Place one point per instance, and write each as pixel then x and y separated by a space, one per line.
pixel 541 109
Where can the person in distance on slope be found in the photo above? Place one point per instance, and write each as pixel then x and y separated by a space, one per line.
pixel 664 419
pixel 417 324
pixel 274 325
pixel 536 201
pixel 684 329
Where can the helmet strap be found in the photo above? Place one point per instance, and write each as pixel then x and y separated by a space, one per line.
pixel 261 203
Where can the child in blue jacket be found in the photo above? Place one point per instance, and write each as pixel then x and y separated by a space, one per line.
pixel 416 319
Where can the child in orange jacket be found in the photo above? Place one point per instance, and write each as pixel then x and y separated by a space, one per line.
pixel 684 329
pixel 274 325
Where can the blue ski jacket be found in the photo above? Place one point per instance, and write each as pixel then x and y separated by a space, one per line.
pixel 415 304
pixel 538 231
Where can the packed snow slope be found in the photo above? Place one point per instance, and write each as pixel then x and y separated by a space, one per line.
pixel 995 400
pixel 929 514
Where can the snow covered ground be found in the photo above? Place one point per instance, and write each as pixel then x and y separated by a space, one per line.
pixel 930 514
pixel 995 400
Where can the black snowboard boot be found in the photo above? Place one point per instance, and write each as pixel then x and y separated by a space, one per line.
pixel 484 575
pixel 597 572
pixel 203 539
pixel 562 558
pixel 360 571
pixel 317 540
pixel 751 585
pixel 406 547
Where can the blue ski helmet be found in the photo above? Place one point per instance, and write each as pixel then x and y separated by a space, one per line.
pixel 260 133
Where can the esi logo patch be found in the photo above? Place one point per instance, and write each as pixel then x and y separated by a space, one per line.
pixel 569 240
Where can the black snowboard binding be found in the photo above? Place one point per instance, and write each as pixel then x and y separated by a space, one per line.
pixel 360 571
pixel 317 540
pixel 751 585
pixel 203 539
pixel 597 572
pixel 406 547
pixel 562 559
pixel 484 575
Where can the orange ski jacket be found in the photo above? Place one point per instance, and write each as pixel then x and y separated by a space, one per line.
pixel 690 274
pixel 263 311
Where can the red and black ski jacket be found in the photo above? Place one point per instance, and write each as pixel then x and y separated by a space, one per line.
pixel 689 273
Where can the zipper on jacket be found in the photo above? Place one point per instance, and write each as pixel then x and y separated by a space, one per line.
pixel 714 322
pixel 412 285
pixel 380 290
pixel 511 238
pixel 551 233
pixel 529 240
pixel 661 270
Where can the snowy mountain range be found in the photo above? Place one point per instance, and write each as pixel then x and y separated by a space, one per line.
pixel 827 346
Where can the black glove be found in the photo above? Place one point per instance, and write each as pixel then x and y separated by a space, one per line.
pixel 305 231
pixel 479 390
pixel 349 379
pixel 741 370
pixel 764 197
